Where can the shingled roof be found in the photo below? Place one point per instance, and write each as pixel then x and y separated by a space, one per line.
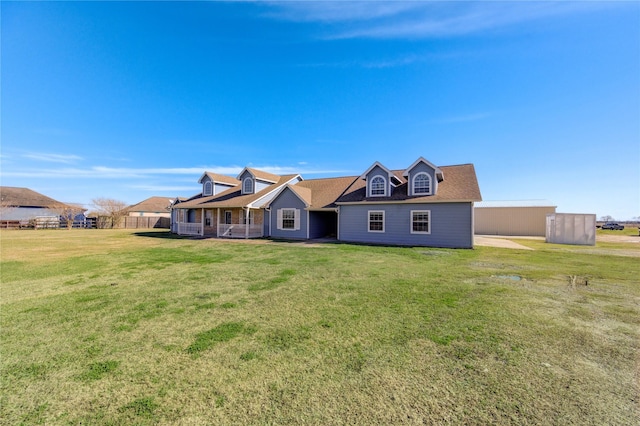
pixel 151 204
pixel 233 197
pixel 460 184
pixel 24 197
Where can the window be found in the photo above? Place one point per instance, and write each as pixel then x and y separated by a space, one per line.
pixel 376 221
pixel 420 221
pixel 243 219
pixel 208 188
pixel 247 186
pixel 289 219
pixel 422 184
pixel 378 186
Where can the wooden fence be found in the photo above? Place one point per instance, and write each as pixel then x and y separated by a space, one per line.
pixel 102 222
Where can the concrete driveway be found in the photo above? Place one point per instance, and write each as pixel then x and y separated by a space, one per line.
pixel 497 241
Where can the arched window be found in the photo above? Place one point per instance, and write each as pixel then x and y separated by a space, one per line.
pixel 208 188
pixel 247 186
pixel 422 184
pixel 378 186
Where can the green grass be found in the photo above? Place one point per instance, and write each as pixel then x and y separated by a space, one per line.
pixel 111 327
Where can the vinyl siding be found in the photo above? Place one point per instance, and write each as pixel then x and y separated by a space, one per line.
pixel 322 224
pixel 451 225
pixel 377 170
pixel 420 168
pixel 288 200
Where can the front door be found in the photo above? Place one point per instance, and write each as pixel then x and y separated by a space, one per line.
pixel 227 217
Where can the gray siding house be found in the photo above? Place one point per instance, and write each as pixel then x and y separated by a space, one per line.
pixel 422 205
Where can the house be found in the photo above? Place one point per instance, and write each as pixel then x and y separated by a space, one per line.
pixel 23 204
pixel 422 205
pixel 151 207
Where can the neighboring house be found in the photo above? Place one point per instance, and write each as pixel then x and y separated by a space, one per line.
pixel 151 207
pixel 523 218
pixel 23 204
pixel 422 205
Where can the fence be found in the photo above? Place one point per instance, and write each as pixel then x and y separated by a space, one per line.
pixel 135 222
pixel 102 222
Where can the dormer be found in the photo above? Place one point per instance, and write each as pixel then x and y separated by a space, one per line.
pixel 213 183
pixel 253 180
pixel 422 178
pixel 380 180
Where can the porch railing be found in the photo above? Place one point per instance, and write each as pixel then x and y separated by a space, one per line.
pixel 193 228
pixel 236 230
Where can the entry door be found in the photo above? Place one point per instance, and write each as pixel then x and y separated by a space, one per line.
pixel 227 217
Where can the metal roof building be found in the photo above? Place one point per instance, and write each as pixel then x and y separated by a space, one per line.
pixel 521 218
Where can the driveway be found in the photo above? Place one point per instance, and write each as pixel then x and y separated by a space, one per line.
pixel 490 241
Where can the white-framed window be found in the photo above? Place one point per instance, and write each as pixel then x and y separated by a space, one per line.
pixel 288 219
pixel 420 221
pixel 376 221
pixel 243 219
pixel 247 185
pixel 208 188
pixel 378 186
pixel 228 218
pixel 422 184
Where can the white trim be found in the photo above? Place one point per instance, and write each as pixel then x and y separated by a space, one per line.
pixel 428 212
pixel 244 185
pixel 436 169
pixel 254 204
pixel 413 184
pixel 370 188
pixel 409 201
pixel 369 220
pixel 296 219
pixel 204 188
pixel 281 190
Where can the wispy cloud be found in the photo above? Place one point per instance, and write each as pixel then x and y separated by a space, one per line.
pixel 53 158
pixel 102 172
pixel 415 20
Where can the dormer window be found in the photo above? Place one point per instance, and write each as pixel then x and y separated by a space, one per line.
pixel 247 186
pixel 208 188
pixel 378 187
pixel 422 184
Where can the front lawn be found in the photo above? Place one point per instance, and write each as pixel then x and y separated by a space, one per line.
pixel 125 327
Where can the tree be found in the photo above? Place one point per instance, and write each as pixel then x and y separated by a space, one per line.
pixel 114 210
pixel 606 218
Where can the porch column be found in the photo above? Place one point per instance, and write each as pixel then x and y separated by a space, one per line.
pixel 217 222
pixel 202 223
pixel 246 224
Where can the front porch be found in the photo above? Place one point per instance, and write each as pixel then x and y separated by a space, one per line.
pixel 207 223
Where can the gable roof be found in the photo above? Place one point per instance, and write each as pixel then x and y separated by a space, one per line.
pixel 378 164
pixel 218 178
pixel 151 204
pixel 260 174
pixel 461 185
pixel 324 192
pixel 11 196
pixel 233 197
pixel 438 172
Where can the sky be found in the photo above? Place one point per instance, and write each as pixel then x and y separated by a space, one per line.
pixel 128 100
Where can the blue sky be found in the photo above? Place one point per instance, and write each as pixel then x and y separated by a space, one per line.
pixel 129 100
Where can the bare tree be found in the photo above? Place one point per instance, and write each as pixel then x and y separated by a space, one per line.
pixel 112 209
pixel 606 218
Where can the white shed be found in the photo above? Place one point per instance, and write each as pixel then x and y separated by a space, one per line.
pixel 522 218
pixel 571 228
